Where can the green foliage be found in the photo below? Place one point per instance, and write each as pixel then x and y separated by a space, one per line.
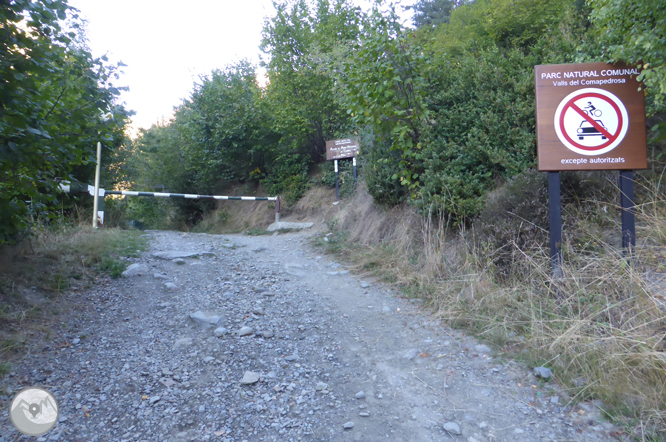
pixel 502 23
pixel 225 127
pixel 384 89
pixel 300 97
pixel 346 183
pixel 288 176
pixel 52 92
pixel 430 13
pixel 381 170
pixel 481 128
pixel 635 32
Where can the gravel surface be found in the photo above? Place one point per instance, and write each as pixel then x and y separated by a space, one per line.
pixel 237 338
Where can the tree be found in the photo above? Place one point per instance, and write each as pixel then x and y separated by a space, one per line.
pixel 52 92
pixel 635 32
pixel 300 97
pixel 430 13
pixel 383 89
pixel 227 128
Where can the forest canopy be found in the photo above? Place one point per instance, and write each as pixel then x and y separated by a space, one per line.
pixel 443 105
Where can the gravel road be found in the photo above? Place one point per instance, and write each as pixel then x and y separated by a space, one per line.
pixel 238 338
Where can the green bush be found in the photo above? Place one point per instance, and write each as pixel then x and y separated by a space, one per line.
pixel 287 177
pixel 481 128
pixel 381 171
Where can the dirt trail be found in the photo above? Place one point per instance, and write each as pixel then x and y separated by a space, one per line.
pixel 159 356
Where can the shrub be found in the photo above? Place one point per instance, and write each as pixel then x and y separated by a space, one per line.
pixel 288 177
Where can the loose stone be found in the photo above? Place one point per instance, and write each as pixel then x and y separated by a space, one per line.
pixel 250 377
pixel 543 373
pixel 245 331
pixel 452 427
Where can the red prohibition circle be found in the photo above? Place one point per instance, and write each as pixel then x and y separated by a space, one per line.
pixel 570 103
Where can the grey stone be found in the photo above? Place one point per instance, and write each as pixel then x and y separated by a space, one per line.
pixel 360 395
pixel 267 334
pixel 321 386
pixel 205 318
pixel 452 427
pixel 245 331
pixel 364 414
pixel 181 343
pixel 154 399
pixel 480 348
pixel 202 408
pixel 220 331
pixel 250 377
pixel 348 425
pixel 411 354
pixel 285 225
pixel 208 359
pixel 167 382
pixel 135 270
pixel 543 373
pixel 76 341
pixel 159 276
pixel 555 400
pixel 170 286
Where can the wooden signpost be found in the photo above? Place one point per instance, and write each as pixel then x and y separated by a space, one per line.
pixel 341 149
pixel 590 116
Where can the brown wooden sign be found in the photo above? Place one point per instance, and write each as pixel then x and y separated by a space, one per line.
pixel 339 149
pixel 590 116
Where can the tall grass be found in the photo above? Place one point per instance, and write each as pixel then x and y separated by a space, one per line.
pixel 600 326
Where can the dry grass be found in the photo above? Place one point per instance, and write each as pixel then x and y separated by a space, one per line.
pixel 36 274
pixel 601 327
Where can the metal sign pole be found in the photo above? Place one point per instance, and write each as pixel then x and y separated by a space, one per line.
pixel 628 211
pixel 97 171
pixel 277 209
pixel 337 187
pixel 354 165
pixel 555 222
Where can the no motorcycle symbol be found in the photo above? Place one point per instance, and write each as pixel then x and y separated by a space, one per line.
pixel 591 121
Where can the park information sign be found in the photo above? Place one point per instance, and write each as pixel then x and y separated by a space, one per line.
pixel 590 116
pixel 340 149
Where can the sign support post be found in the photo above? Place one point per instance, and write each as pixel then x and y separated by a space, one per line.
pixel 354 165
pixel 337 186
pixel 96 200
pixel 555 215
pixel 628 211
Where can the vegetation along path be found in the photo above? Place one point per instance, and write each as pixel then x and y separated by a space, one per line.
pixel 238 338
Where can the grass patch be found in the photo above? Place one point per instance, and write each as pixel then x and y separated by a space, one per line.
pixel 39 278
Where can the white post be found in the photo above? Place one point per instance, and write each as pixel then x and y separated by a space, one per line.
pixel 99 160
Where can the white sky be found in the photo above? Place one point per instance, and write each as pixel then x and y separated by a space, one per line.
pixel 167 44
